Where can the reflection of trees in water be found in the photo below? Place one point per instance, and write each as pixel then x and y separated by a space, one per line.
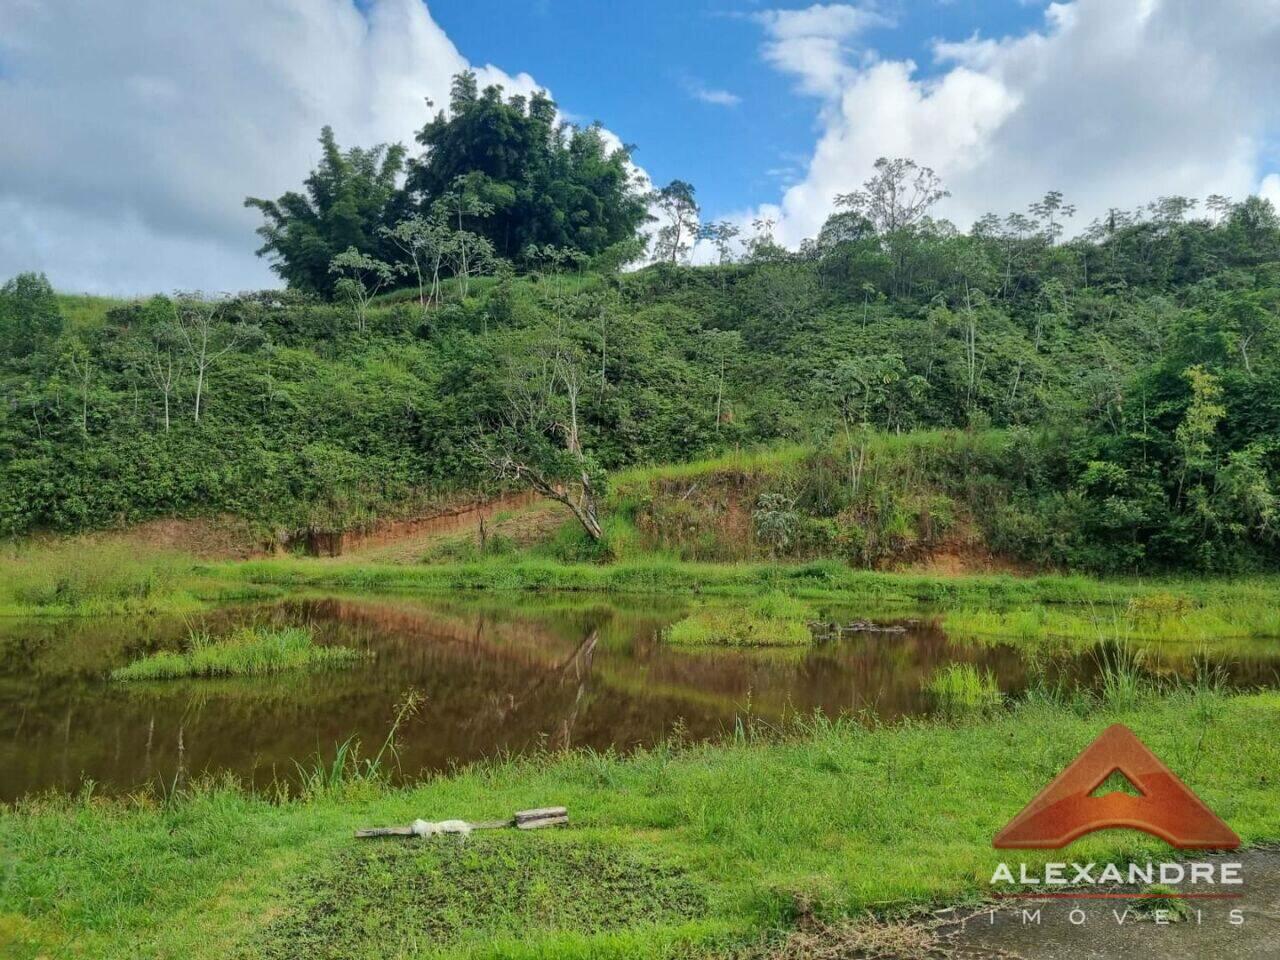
pixel 494 682
pixel 573 674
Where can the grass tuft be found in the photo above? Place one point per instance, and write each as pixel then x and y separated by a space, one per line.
pixel 773 620
pixel 1162 902
pixel 248 652
pixel 961 687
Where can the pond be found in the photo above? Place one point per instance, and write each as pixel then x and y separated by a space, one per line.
pixel 497 678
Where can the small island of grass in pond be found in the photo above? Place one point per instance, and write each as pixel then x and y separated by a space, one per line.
pixel 961 687
pixel 773 620
pixel 247 652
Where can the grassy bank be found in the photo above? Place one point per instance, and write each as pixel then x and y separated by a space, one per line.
pixel 70 577
pixel 995 605
pixel 672 852
pixel 247 652
pixel 92 576
pixel 88 577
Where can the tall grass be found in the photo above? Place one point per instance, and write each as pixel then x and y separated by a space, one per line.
pixel 247 652
pixel 773 620
pixel 347 768
pixel 962 688
pixel 1131 611
pixel 81 576
pixel 1123 682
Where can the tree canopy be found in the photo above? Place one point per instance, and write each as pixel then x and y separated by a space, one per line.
pixel 505 169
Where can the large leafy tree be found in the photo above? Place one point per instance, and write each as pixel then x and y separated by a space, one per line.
pixel 344 202
pixel 29 315
pixel 547 182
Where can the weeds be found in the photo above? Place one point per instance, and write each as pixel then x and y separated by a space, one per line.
pixel 1162 902
pixel 247 652
pixel 962 688
pixel 81 578
pixel 348 768
pixel 1122 681
pixel 773 620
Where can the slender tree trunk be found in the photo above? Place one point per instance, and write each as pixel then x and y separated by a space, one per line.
pixel 720 395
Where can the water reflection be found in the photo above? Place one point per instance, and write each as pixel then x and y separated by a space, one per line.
pixel 495 680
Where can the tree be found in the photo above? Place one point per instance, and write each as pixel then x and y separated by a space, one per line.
pixel 675 238
pixel 1251 319
pixel 79 361
pixel 425 241
pixel 897 197
pixel 721 235
pixel 361 277
pixel 468 252
pixel 1048 210
pixel 207 336
pixel 29 316
pixel 539 440
pixel 159 349
pixel 345 203
pixel 1194 435
pixel 896 201
pixel 548 182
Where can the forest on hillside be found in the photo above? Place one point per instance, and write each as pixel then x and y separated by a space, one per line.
pixel 465 320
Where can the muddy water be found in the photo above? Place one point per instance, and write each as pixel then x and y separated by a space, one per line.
pixel 495 680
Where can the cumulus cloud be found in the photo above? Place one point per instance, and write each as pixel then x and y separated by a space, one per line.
pixel 134 131
pixel 1113 102
pixel 814 43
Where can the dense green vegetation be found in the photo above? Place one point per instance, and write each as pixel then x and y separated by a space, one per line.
pixel 677 850
pixel 458 322
pixel 961 688
pixel 246 652
pixel 498 179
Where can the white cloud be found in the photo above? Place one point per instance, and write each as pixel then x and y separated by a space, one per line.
pixel 133 131
pixel 1114 102
pixel 813 43
pixel 713 96
pixel 1270 189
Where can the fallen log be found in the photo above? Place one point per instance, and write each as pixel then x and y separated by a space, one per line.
pixel 521 820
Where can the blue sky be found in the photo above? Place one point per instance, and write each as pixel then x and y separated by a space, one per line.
pixel 183 109
pixel 636 68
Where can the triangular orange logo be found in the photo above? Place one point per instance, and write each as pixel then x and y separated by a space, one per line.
pixel 1065 810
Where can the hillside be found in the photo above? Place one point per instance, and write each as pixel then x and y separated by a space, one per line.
pixel 1129 380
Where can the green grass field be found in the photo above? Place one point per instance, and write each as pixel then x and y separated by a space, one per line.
pixel 675 851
